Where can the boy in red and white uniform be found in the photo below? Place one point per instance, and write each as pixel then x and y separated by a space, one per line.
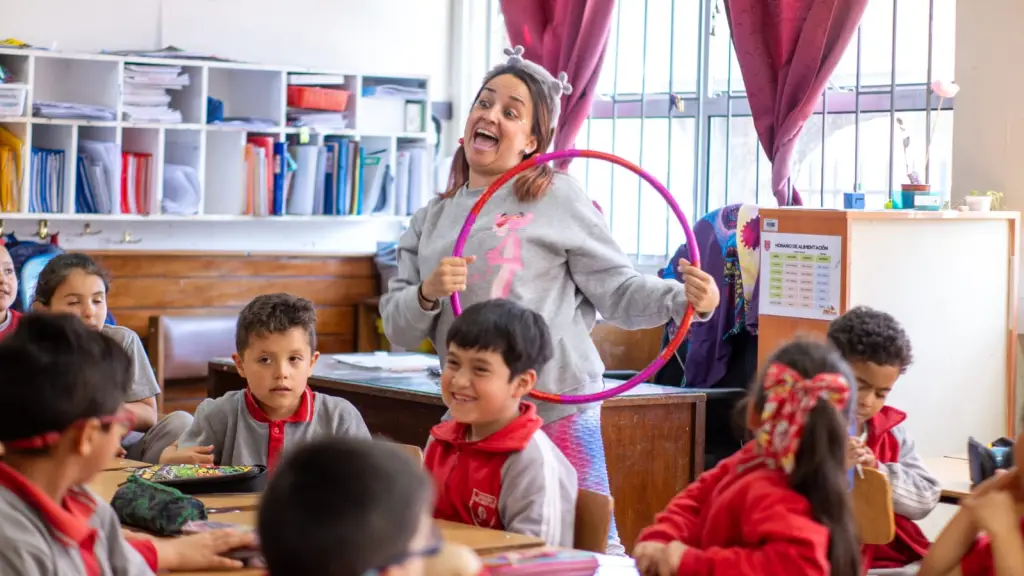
pixel 493 465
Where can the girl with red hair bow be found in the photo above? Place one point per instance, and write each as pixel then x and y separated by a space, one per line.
pixel 780 505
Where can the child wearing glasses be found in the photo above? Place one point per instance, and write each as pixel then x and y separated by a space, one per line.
pixel 348 507
pixel 68 384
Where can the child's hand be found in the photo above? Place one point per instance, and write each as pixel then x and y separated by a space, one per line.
pixel 867 458
pixel 701 289
pixel 121 452
pixel 855 452
pixel 993 511
pixel 202 455
pixel 650 557
pixel 674 556
pixel 202 551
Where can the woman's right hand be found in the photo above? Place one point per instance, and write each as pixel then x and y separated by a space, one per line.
pixel 449 277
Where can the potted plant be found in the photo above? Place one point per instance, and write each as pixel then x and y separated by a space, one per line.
pixel 914 185
pixel 984 201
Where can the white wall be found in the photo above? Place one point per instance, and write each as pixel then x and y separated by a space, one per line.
pixel 988 131
pixel 386 37
pixel 361 36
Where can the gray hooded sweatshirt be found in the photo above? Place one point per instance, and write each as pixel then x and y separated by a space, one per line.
pixel 555 255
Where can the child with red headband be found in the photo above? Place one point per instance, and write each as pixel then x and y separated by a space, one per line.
pixel 779 505
pixel 67 384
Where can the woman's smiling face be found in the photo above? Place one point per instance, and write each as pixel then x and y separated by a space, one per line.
pixel 499 131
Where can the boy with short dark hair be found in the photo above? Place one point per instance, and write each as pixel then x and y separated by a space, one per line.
pixel 879 352
pixel 347 507
pixel 276 343
pixel 66 384
pixel 493 465
pixel 8 293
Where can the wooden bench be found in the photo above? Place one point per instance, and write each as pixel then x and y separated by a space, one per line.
pixel 180 349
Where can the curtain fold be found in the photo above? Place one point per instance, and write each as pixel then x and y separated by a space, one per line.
pixel 568 36
pixel 787 50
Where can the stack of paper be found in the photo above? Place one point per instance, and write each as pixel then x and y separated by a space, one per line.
pixel 10 170
pixel 73 110
pixel 395 91
pixel 317 119
pixel 136 175
pixel 97 190
pixel 146 97
pixel 389 362
pixel 47 194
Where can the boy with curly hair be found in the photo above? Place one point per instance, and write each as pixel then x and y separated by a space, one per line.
pixel 879 352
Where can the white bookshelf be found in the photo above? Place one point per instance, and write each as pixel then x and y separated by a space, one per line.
pixel 216 152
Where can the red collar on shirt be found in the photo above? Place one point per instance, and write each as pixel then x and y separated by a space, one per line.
pixel 68 521
pixel 304 413
pixel 275 428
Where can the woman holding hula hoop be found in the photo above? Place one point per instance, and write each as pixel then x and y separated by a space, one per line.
pixel 539 241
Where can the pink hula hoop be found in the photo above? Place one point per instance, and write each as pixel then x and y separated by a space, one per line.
pixel 691 243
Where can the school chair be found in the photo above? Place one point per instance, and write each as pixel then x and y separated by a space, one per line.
pixel 593 520
pixel 180 349
pixel 872 507
pixel 414 452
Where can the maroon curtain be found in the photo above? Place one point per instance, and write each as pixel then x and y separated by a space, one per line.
pixel 564 36
pixel 787 50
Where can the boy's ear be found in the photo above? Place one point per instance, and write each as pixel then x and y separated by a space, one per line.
pixel 315 357
pixel 524 383
pixel 237 359
pixel 84 437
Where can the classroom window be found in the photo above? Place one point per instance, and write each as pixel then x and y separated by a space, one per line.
pixel 670 69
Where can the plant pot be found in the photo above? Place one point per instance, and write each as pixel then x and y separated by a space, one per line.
pixel 917 197
pixel 978 203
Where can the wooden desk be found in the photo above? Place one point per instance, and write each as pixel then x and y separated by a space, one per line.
pixel 243 508
pixel 954 476
pixel 653 435
pixel 124 463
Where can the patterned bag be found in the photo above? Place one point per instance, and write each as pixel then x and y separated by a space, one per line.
pixel 157 509
pixel 197 479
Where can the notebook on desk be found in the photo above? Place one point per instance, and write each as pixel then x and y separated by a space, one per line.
pixel 389 362
pixel 562 562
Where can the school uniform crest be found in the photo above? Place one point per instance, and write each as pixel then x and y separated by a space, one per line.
pixel 484 509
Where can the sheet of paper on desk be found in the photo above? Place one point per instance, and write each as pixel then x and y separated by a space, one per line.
pixel 389 362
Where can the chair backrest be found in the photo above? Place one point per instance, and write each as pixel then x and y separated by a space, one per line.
pixel 181 347
pixel 872 507
pixel 593 520
pixel 414 452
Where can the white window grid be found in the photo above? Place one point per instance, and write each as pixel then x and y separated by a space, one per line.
pixel 682 114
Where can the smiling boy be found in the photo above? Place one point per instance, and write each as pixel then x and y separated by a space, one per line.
pixel 8 293
pixel 276 351
pixel 493 465
pixel 879 352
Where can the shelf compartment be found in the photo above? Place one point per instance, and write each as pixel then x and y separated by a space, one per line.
pixel 20 193
pixel 224 182
pixel 59 78
pixel 249 93
pixel 102 173
pixel 53 137
pixel 182 177
pixel 141 170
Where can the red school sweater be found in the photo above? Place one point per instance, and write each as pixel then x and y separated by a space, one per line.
pixel 910 544
pixel 741 518
pixel 468 474
pixel 12 323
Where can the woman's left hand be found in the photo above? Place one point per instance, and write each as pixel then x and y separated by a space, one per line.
pixel 701 288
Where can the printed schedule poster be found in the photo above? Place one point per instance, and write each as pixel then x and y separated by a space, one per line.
pixel 800 275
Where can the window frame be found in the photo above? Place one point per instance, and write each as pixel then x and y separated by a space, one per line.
pixel 703 104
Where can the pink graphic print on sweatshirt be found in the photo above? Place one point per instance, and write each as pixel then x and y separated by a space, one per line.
pixel 507 255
